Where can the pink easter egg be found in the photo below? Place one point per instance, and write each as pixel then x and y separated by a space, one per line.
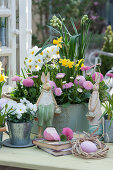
pixel 51 134
pixel 88 146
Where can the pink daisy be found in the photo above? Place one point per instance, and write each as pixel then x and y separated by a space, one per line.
pixel 79 80
pixel 28 82
pixel 67 85
pixel 16 78
pixel 88 85
pixel 85 68
pixel 58 92
pixel 109 75
pixel 60 75
pixel 52 84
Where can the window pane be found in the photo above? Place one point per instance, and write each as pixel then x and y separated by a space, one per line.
pixel 3 32
pixel 3 3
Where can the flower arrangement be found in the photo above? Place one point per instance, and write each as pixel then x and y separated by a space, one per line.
pixel 18 112
pixel 3 114
pixel 2 78
pixel 108 106
pixel 64 59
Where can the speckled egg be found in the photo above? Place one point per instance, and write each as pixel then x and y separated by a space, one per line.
pixel 88 146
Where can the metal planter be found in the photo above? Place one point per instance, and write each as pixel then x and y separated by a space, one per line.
pixel 73 116
pixel 108 132
pixel 19 133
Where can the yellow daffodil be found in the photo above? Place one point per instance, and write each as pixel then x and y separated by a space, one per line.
pixel 70 64
pixel 81 61
pixel 63 62
pixel 66 63
pixel 82 65
pixel 3 77
pixel 60 60
pixel 79 64
pixel 58 42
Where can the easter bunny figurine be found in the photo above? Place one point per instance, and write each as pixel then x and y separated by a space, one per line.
pixel 46 104
pixel 94 107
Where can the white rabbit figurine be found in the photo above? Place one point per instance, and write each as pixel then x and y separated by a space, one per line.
pixel 95 123
pixel 46 104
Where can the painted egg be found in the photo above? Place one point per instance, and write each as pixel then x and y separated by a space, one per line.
pixel 88 146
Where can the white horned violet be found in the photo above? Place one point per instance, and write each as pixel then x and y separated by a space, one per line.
pixel 51 134
pixel 88 146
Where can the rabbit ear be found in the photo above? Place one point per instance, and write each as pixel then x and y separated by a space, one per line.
pixel 48 76
pixel 97 78
pixel 43 78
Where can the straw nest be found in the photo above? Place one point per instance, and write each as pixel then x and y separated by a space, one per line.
pixel 101 152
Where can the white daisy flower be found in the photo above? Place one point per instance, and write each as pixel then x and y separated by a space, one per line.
pixel 32 107
pixel 34 50
pixel 21 108
pixel 30 61
pixel 19 115
pixel 55 51
pixel 39 60
pixel 37 67
pixel 64 82
pixel 25 101
pixel 71 77
pixel 79 90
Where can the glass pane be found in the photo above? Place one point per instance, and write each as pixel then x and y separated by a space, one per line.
pixel 3 32
pixel 5 65
pixel 3 3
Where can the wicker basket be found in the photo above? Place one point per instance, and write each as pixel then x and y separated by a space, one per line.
pixel 101 152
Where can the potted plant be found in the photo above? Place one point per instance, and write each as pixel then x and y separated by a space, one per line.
pixel 19 120
pixel 3 116
pixel 64 59
pixel 108 117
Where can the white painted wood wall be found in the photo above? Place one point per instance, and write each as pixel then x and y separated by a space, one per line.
pixel 24 32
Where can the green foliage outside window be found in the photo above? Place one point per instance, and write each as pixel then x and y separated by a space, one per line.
pixel 107 62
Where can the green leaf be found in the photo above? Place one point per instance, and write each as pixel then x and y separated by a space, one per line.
pixel 102 115
pixel 63 137
pixel 23 73
pixel 74 27
pixel 73 43
pixel 54 30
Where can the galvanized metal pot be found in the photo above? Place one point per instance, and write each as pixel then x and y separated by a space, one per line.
pixel 19 133
pixel 72 116
pixel 1 136
pixel 108 132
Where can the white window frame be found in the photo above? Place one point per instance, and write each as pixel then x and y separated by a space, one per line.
pixel 24 32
